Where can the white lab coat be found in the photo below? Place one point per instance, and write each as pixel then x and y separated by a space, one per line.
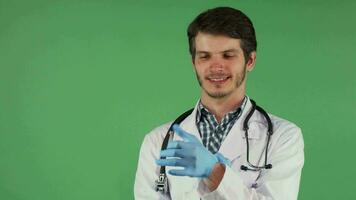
pixel 285 153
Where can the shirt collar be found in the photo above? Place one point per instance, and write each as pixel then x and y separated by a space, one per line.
pixel 202 111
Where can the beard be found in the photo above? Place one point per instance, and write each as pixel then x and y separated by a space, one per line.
pixel 240 77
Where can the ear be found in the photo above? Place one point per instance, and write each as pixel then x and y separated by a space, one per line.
pixel 251 61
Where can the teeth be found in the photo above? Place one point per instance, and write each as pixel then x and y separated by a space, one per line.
pixel 218 79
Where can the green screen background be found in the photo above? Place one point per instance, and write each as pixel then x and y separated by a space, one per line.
pixel 82 82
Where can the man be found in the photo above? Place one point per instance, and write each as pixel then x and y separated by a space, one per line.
pixel 210 155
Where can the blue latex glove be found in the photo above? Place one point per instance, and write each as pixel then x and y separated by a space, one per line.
pixel 223 159
pixel 190 154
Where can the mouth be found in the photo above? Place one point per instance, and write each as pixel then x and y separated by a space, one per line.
pixel 218 79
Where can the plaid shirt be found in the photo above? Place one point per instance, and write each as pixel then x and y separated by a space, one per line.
pixel 213 133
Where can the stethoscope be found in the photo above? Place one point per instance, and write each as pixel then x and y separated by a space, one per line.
pixel 162 183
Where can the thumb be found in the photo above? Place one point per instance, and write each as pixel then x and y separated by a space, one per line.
pixel 187 137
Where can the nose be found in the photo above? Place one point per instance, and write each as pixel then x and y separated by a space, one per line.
pixel 216 64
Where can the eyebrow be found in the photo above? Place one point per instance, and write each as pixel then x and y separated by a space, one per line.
pixel 231 50
pixel 225 51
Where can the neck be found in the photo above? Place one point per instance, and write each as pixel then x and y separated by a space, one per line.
pixel 220 106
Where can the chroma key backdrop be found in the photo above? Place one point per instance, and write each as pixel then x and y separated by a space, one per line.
pixel 82 82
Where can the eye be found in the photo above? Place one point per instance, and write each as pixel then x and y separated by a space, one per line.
pixel 228 55
pixel 203 56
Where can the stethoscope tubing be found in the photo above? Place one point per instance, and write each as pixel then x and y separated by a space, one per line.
pixel 162 185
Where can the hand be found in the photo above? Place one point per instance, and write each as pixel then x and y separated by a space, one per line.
pixel 190 154
pixel 223 160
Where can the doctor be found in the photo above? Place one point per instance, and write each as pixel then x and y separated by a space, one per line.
pixel 205 157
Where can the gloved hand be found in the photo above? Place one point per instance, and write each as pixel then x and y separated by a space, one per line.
pixel 223 160
pixel 190 154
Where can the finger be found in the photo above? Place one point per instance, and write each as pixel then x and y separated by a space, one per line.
pixel 172 162
pixel 183 134
pixel 178 153
pixel 178 145
pixel 184 172
pixel 172 153
pixel 178 172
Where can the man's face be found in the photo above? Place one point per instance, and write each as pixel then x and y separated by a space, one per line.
pixel 220 65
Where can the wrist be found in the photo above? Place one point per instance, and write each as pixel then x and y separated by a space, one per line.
pixel 215 177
